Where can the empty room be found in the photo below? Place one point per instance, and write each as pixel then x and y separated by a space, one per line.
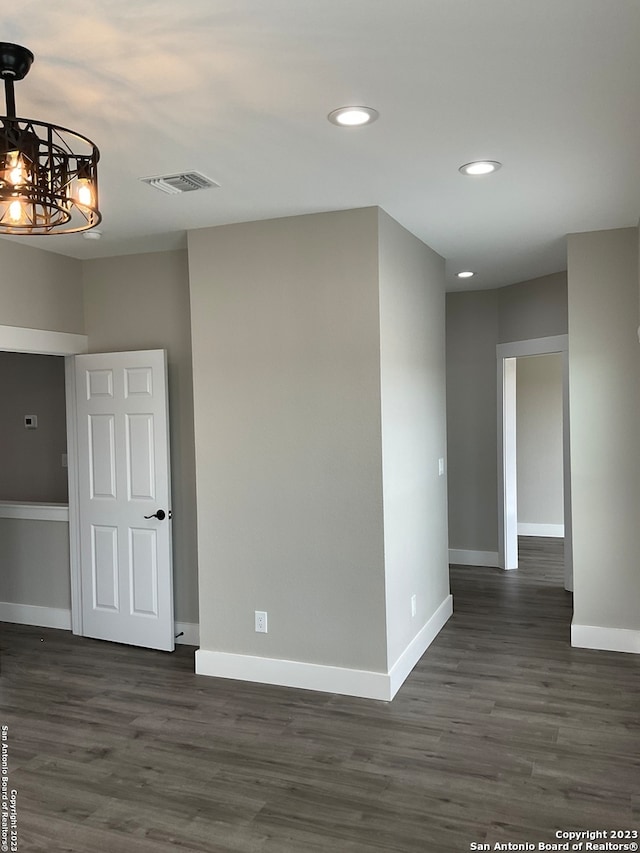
pixel 319 437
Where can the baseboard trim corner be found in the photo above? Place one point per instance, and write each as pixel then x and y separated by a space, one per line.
pixel 605 639
pixel 402 668
pixel 364 684
pixel 486 559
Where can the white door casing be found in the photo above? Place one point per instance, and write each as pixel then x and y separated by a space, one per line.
pixel 123 475
pixel 508 519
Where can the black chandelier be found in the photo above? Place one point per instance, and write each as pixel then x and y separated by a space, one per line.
pixel 48 174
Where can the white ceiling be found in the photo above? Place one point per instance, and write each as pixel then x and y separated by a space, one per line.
pixel 240 90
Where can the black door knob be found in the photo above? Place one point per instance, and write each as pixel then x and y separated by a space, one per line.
pixel 160 515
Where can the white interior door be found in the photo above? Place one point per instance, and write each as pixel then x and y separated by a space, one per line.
pixel 124 498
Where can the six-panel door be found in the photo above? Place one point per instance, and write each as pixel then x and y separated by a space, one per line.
pixel 124 479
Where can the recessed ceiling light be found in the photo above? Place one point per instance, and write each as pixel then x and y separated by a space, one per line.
pixel 353 116
pixel 465 274
pixel 480 167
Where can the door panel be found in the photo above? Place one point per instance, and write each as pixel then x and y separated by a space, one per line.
pixel 123 472
pixel 102 456
pixel 104 567
pixel 140 457
pixel 143 568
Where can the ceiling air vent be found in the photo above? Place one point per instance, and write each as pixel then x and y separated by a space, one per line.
pixel 185 182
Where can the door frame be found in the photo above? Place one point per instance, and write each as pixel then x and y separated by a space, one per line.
pixel 506 355
pixel 67 344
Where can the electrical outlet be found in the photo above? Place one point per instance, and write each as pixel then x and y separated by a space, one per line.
pixel 414 605
pixel 261 621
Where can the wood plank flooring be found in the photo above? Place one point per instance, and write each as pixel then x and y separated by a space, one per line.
pixel 503 732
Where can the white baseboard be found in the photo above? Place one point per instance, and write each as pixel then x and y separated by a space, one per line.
pixel 526 528
pixel 605 639
pixel 54 617
pixel 327 679
pixel 291 673
pixel 417 647
pixel 460 557
pixel 32 614
pixel 190 633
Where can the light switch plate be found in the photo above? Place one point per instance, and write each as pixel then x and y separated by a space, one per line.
pixel 31 422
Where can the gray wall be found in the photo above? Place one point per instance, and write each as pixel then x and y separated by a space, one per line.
pixel 34 562
pixel 476 322
pixel 137 302
pixel 31 459
pixel 604 364
pixel 40 290
pixel 472 334
pixel 412 377
pixel 539 439
pixel 286 357
pixel 533 309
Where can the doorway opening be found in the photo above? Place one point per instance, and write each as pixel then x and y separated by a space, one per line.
pixel 507 355
pixel 120 556
pixel 14 339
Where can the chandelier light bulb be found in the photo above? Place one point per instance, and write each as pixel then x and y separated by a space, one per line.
pixel 15 211
pixel 14 167
pixel 85 196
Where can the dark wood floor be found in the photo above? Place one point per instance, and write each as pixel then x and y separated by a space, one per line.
pixel 503 732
